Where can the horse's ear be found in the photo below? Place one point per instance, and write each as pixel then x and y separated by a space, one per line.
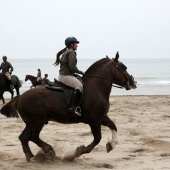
pixel 116 57
pixel 107 56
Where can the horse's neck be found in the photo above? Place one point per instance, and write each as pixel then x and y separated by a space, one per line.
pixel 99 84
pixel 99 80
pixel 32 78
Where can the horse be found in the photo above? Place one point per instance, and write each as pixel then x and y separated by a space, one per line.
pixel 5 85
pixel 33 80
pixel 39 105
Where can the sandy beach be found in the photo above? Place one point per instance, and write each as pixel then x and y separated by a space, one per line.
pixel 143 124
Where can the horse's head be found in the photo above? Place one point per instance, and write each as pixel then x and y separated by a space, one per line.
pixel 120 75
pixel 26 77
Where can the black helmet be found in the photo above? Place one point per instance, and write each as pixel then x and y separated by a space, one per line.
pixel 70 40
pixel 4 57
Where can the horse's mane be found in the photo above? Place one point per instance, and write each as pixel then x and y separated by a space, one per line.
pixel 97 65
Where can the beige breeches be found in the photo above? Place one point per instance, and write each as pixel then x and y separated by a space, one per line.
pixel 71 81
pixel 38 79
pixel 8 75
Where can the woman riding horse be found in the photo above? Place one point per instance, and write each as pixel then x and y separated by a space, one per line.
pixel 67 71
pixel 39 105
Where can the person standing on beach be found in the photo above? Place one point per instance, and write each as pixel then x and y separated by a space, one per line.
pixel 7 69
pixel 68 68
pixel 39 75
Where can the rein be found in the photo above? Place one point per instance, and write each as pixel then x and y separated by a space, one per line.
pixel 99 76
pixel 105 78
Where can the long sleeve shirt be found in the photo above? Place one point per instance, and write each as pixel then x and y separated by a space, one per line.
pixel 68 64
pixel 6 67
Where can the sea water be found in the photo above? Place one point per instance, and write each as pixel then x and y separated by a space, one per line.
pixel 152 75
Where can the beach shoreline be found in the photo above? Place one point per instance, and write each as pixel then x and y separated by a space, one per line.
pixel 143 123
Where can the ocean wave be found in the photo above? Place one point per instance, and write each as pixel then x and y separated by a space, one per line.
pixel 161 82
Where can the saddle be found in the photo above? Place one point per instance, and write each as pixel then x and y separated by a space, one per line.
pixel 58 86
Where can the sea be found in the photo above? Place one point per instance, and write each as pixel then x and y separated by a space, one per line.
pixel 152 75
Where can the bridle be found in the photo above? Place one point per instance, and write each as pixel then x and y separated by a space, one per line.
pixel 113 81
pixel 128 78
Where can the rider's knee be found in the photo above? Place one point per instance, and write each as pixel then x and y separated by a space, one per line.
pixel 80 87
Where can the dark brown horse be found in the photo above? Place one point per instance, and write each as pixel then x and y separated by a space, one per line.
pixel 33 80
pixel 5 85
pixel 39 105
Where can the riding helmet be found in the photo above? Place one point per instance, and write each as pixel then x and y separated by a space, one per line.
pixel 70 40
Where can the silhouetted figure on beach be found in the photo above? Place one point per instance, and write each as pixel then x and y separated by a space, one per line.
pixel 7 69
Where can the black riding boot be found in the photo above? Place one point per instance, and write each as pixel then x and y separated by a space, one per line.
pixel 74 102
pixel 11 85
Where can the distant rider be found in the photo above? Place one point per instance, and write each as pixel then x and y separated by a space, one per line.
pixel 67 71
pixel 45 80
pixel 39 75
pixel 7 69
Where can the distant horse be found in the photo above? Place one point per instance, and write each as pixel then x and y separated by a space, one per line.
pixel 39 105
pixel 33 80
pixel 5 85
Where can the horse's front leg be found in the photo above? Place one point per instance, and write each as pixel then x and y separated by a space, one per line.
pixel 17 91
pixel 106 121
pixel 96 131
pixel 2 97
pixel 12 93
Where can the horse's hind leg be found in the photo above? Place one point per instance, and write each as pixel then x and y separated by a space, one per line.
pixel 106 121
pixel 35 131
pixel 24 138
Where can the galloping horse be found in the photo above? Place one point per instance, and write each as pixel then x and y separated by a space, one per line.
pixel 39 105
pixel 33 80
pixel 5 86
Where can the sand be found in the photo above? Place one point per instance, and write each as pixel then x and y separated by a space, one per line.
pixel 143 124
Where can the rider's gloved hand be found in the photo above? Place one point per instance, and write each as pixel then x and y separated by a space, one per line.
pixel 82 73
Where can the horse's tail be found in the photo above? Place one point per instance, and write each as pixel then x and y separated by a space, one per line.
pixel 10 109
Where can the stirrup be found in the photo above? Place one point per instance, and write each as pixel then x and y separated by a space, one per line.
pixel 11 87
pixel 78 111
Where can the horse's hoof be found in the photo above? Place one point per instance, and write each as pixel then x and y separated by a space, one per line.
pixel 40 156
pixel 109 147
pixel 29 158
pixel 51 155
pixel 79 151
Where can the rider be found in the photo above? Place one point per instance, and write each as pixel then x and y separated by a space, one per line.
pixel 39 75
pixel 67 71
pixel 45 79
pixel 5 66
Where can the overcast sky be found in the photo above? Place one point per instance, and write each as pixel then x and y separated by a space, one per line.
pixel 38 28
